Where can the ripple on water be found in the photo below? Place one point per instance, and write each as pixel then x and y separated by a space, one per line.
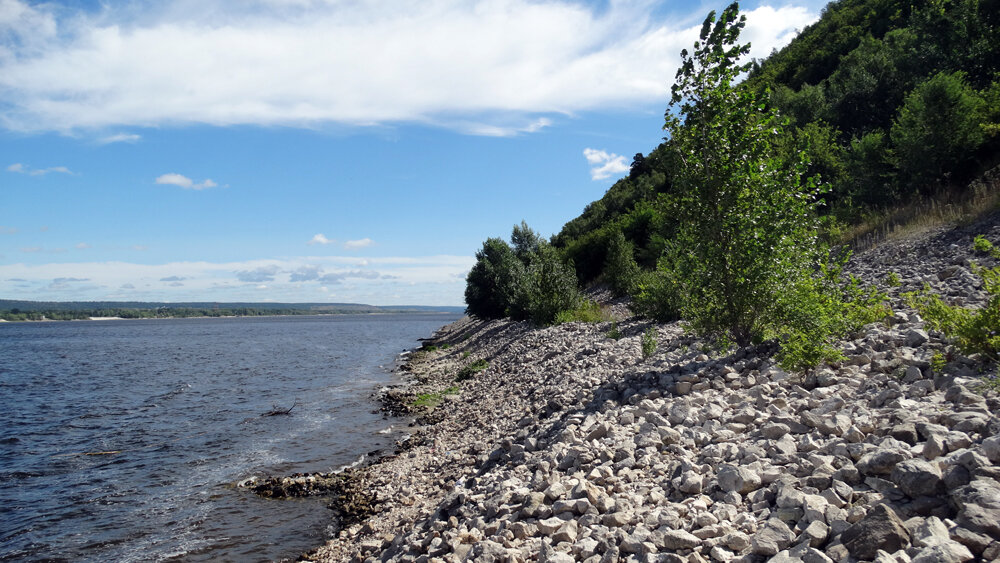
pixel 123 436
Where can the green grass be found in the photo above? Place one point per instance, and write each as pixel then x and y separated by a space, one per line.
pixel 431 400
pixel 471 369
pixel 587 312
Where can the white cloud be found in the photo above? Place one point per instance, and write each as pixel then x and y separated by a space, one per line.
pixel 491 67
pixel 356 244
pixel 430 280
pixel 318 238
pixel 82 246
pixel 120 138
pixel 604 164
pixel 174 179
pixel 20 168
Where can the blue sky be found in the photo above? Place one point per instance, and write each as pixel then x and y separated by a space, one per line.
pixel 318 150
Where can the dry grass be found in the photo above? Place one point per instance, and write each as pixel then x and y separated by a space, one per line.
pixel 926 213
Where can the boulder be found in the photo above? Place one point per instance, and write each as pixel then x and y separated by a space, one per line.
pixel 880 529
pixel 740 480
pixel 978 505
pixel 917 478
pixel 772 538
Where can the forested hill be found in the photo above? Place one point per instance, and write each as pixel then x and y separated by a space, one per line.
pixel 735 222
pixel 892 99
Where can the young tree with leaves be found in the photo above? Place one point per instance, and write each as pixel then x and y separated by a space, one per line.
pixel 747 229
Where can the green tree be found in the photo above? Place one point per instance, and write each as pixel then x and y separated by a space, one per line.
pixel 938 129
pixel 525 241
pixel 493 285
pixel 748 228
pixel 620 269
pixel 871 177
pixel 550 286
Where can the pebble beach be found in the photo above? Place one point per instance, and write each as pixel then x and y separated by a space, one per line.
pixel 571 446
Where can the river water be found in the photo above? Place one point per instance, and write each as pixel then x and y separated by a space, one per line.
pixel 119 440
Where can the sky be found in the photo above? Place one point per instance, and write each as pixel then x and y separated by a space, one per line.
pixel 319 150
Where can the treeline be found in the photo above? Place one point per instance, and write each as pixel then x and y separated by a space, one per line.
pixel 13 310
pixel 877 103
pixel 17 314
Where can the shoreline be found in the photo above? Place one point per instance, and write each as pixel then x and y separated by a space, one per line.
pixel 229 316
pixel 570 446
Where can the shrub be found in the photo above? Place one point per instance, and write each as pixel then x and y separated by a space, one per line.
pixel 471 369
pixel 528 281
pixel 550 286
pixel 620 269
pixel 586 312
pixel 649 343
pixel 817 311
pixel 658 295
pixel 974 330
pixel 615 333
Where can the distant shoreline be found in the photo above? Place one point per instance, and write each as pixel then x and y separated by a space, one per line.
pixel 16 311
pixel 309 314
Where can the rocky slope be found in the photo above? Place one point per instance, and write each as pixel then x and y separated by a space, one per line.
pixel 570 446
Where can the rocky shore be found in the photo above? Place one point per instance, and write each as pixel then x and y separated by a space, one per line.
pixel 571 446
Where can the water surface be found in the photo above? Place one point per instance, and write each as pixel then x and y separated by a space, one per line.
pixel 118 439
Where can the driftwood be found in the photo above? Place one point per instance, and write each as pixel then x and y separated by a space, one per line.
pixel 279 412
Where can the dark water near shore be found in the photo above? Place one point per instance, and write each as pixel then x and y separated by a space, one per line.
pixel 178 402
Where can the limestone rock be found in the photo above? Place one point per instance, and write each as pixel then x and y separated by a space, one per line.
pixel 741 480
pixel 917 478
pixel 880 529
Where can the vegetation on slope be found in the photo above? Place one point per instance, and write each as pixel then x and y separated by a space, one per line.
pixel 876 104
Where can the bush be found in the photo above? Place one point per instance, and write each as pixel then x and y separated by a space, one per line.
pixel 658 295
pixel 471 369
pixel 976 331
pixel 649 343
pixel 528 281
pixel 550 286
pixel 587 312
pixel 620 269
pixel 815 313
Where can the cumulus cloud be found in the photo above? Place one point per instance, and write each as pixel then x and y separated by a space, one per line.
pixel 172 279
pixel 482 67
pixel 356 244
pixel 604 164
pixel 174 179
pixel 82 246
pixel 318 238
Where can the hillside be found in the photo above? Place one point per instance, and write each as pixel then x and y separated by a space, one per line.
pixel 572 445
pixel 892 101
